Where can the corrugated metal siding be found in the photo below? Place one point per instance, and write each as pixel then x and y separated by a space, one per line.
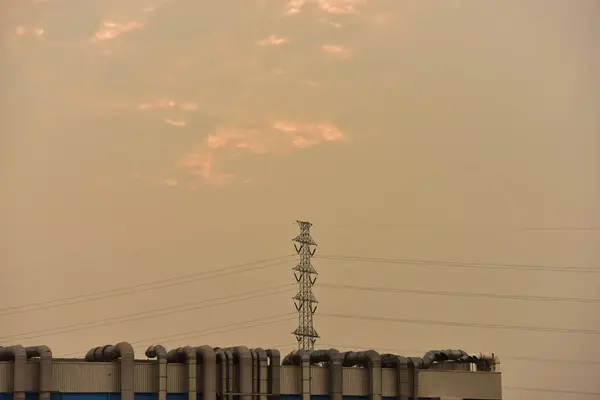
pixel 356 381
pixel 82 377
pixel 6 377
pixel 290 379
pixel 145 378
pixel 319 384
pixel 388 382
pixel 176 378
pixel 464 385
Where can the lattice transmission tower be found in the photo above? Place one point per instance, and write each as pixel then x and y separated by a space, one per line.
pixel 306 276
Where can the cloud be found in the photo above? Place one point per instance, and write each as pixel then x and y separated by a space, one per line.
pixel 271 40
pixel 337 50
pixel 171 182
pixel 29 31
pixel 328 6
pixel 178 123
pixel 111 30
pixel 279 138
pixel 166 103
pixel 201 164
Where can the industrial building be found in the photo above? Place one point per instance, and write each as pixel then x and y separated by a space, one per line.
pixel 113 372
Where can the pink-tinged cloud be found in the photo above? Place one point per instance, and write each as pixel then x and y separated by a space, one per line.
pixel 32 31
pixel 173 122
pixel 190 106
pixel 165 103
pixel 271 40
pixel 336 50
pixel 112 30
pixel 201 164
pixel 171 182
pixel 328 6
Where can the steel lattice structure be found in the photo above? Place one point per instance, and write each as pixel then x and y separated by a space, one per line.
pixel 305 301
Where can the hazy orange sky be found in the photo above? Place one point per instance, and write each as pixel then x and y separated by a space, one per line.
pixel 143 140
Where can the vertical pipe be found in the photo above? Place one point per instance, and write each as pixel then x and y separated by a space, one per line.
pixel 19 356
pixel 263 373
pixel 274 374
pixel 161 354
pixel 209 374
pixel 305 374
pixel 46 369
pixel 254 371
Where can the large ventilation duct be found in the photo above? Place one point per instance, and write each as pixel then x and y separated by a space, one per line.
pixel 405 374
pixel 369 359
pixel 301 358
pixel 46 370
pixel 189 356
pixel 406 366
pixel 18 355
pixel 334 361
pixel 222 368
pixel 274 387
pixel 209 372
pixel 160 354
pixel 483 361
pixel 243 356
pixel 109 353
pixel 225 358
pixel 186 355
pixel 254 371
pixel 263 373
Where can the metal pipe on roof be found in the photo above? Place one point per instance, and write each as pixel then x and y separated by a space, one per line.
pixel 209 371
pixel 160 354
pixel 274 374
pixel 243 356
pixel 18 355
pixel 254 371
pixel 109 353
pixel 263 373
pixel 46 370
pixel 369 359
pixel 302 359
pixel 186 355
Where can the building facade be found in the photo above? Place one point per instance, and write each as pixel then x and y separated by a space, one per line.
pixel 112 372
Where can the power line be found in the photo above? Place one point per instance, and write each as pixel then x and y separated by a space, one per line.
pixel 139 288
pixel 146 314
pixel 464 324
pixel 460 294
pixel 257 322
pixel 502 357
pixel 553 391
pixel 456 264
pixel 466 227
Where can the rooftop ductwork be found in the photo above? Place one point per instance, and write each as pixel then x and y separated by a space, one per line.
pixel 109 353
pixel 160 353
pixel 263 373
pixel 18 355
pixel 189 355
pixel 301 358
pixel 334 360
pixel 406 366
pixel 243 356
pixel 46 370
pixel 369 359
pixel 225 359
pixel 186 355
pixel 274 379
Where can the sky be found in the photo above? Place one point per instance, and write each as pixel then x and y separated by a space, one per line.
pixel 146 140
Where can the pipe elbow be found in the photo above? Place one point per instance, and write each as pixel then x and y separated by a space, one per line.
pixel 261 354
pixel 207 353
pixel 125 351
pixel 156 351
pixel 16 353
pixel 243 353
